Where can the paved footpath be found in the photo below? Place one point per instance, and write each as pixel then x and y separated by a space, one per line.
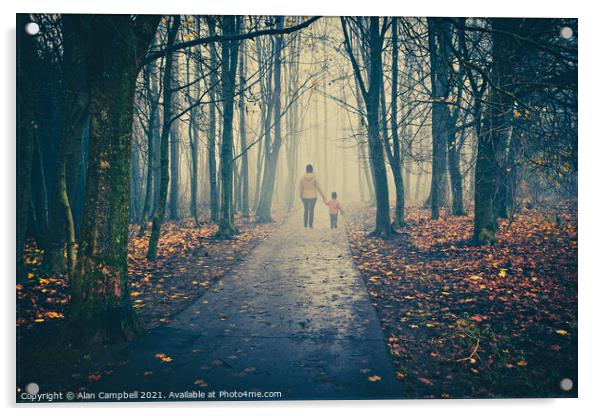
pixel 294 317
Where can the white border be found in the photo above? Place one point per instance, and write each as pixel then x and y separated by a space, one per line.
pixel 590 203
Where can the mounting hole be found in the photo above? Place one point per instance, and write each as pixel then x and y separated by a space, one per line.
pixel 32 388
pixel 566 384
pixel 566 32
pixel 32 28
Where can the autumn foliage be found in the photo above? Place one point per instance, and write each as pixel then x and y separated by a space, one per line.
pixel 188 260
pixel 475 321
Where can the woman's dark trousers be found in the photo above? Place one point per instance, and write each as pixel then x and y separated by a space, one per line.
pixel 308 212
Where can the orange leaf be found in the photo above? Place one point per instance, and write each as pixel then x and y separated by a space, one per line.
pixel 94 377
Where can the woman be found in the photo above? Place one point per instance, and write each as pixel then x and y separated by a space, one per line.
pixel 308 191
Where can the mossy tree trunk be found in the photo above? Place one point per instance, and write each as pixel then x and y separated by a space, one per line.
pixel 100 308
pixel 498 122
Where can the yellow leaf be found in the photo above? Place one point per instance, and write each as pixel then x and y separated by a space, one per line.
pixel 502 273
pixel 561 332
pixel 521 363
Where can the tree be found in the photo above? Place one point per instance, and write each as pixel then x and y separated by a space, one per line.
pixel 439 57
pixel 497 124
pixel 230 25
pixel 370 93
pixel 100 308
pixel 394 151
pixel 193 138
pixel 153 102
pixel 272 150
pixel 159 214
pixel 211 139
pixel 75 112
pixel 26 65
pixel 244 167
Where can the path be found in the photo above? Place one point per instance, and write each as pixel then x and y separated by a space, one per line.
pixel 294 317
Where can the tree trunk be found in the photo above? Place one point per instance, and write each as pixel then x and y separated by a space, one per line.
pixel 395 161
pixel 214 203
pixel 455 175
pixel 159 213
pixel 174 165
pixel 437 32
pixel 365 166
pixel 150 150
pixel 244 174
pixel 74 115
pixel 100 309
pixel 194 177
pixel 492 138
pixel 507 173
pixel 27 62
pixel 271 156
pixel 506 200
pixel 371 99
pixel 229 62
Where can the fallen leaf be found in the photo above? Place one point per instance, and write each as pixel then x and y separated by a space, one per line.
pixel 425 381
pixel 201 383
pixel 94 377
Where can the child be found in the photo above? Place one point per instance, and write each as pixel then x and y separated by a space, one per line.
pixel 334 207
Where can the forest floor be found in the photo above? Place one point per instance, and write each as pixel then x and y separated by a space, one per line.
pixel 468 321
pixel 293 317
pixel 188 262
pixel 282 308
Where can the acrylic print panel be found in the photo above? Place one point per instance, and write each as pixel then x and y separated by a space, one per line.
pixel 282 207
